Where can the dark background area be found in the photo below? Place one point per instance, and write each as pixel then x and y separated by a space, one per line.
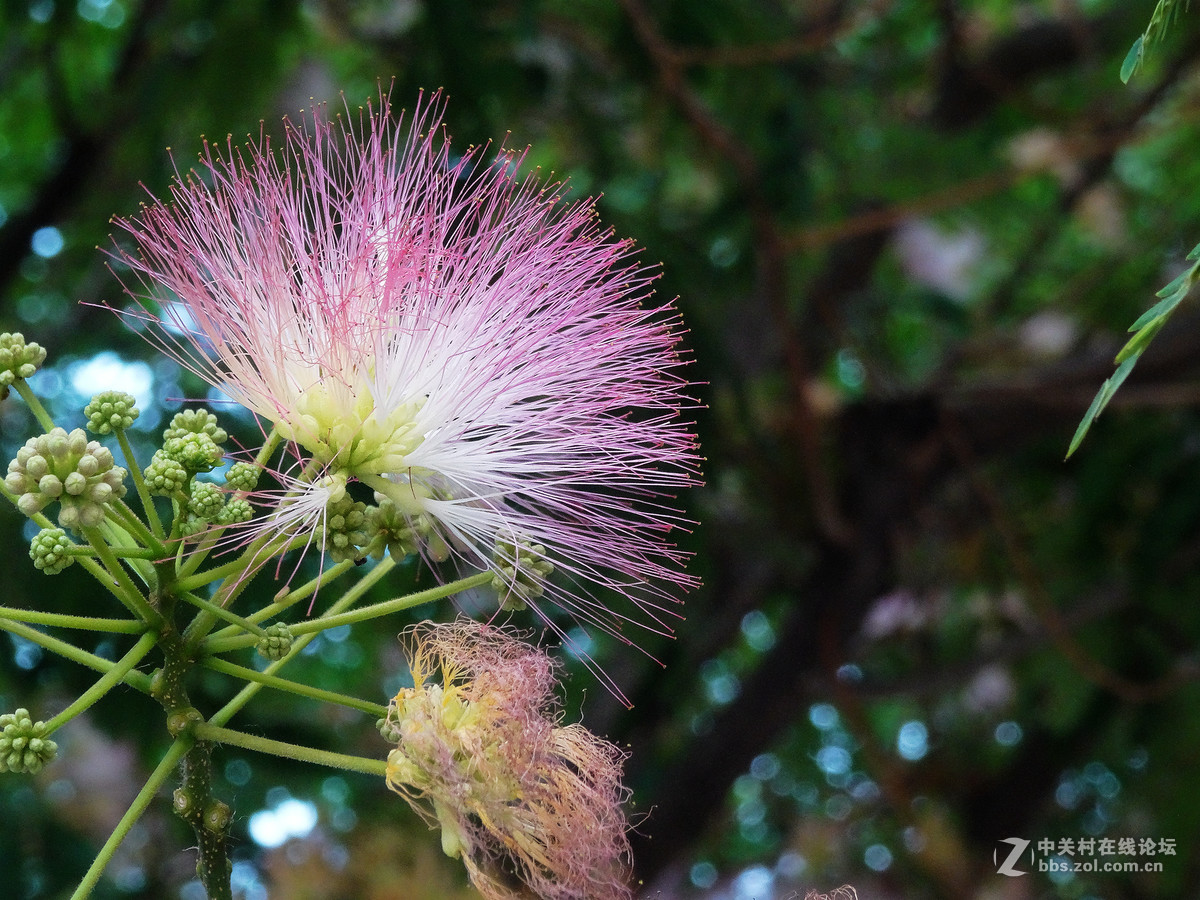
pixel 907 238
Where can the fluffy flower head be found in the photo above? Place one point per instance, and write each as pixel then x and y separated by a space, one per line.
pixel 460 338
pixel 480 755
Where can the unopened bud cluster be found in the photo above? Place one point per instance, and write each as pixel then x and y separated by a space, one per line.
pixel 521 572
pixel 346 529
pixel 50 550
pixel 277 643
pixel 193 439
pixel 69 468
pixel 24 746
pixel 18 359
pixel 110 411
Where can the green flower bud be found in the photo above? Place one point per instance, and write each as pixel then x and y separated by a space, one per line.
pixel 207 500
pixel 346 529
pixel 236 511
pixel 277 643
pixel 49 550
pixel 521 572
pixel 389 729
pixel 24 746
pixel 195 452
pixel 203 508
pixel 110 411
pixel 195 421
pixel 164 476
pixel 18 359
pixel 69 468
pixel 389 527
pixel 242 476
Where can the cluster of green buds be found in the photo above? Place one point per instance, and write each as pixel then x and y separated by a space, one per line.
pixel 110 411
pixel 194 439
pixel 24 746
pixel 402 533
pixel 277 642
pixel 346 529
pixel 521 572
pixel 50 550
pixel 69 468
pixel 18 359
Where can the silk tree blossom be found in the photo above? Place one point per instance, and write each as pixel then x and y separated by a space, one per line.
pixel 480 754
pixel 461 338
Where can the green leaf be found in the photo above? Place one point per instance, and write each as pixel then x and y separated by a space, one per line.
pixel 1161 308
pixel 1106 392
pixel 1140 341
pixel 1176 283
pixel 1133 59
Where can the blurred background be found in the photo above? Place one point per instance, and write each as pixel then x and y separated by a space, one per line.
pixel 907 237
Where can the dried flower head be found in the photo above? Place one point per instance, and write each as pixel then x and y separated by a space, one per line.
pixel 464 340
pixel 482 756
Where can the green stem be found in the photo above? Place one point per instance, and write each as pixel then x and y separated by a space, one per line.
pixel 165 767
pixel 373 611
pixel 294 687
pixel 135 472
pixel 268 448
pixel 119 552
pixel 257 552
pixel 246 694
pixel 135 679
pixel 200 626
pixel 236 621
pixel 35 405
pixel 107 682
pixel 206 732
pixel 137 527
pixel 200 553
pixel 63 620
pixel 129 594
pixel 291 598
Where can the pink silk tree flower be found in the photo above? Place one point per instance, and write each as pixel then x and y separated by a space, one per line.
pixel 461 338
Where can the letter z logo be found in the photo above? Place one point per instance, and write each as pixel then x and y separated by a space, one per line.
pixel 1008 866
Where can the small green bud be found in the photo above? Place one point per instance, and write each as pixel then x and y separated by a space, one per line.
pixel 217 816
pixel 49 550
pixel 183 801
pixel 18 359
pixel 242 476
pixel 164 476
pixel 180 720
pixel 24 747
pixel 521 572
pixel 389 730
pixel 277 643
pixel 110 411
